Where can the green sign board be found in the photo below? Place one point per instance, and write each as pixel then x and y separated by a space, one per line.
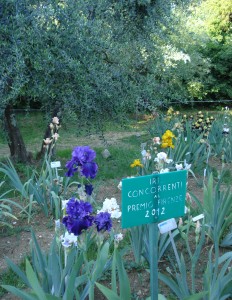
pixel 153 198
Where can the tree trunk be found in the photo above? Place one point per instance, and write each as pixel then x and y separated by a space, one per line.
pixel 16 144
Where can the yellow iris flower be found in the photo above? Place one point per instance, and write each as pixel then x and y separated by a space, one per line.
pixel 136 163
pixel 167 139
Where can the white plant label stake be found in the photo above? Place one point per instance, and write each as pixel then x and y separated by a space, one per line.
pixel 55 165
pixel 167 226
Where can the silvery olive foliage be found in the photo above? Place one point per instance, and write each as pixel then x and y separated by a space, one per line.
pixel 96 59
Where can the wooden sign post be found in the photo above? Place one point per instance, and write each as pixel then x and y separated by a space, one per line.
pixel 149 200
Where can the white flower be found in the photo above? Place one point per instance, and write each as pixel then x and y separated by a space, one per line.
pixel 82 194
pixel 179 167
pixel 56 136
pixel 55 120
pixel 47 141
pixel 144 152
pixel 111 206
pixel 51 126
pixel 68 239
pixel 186 166
pixel 166 170
pixel 156 140
pixel 118 237
pixel 169 160
pixel 64 202
pixel 226 130
pixel 115 214
pixel 120 185
pixel 146 155
pixel 161 156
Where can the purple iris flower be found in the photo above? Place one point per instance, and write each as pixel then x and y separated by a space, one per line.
pixel 72 168
pixel 89 170
pixel 103 221
pixel 88 189
pixel 82 160
pixel 76 226
pixel 79 216
pixel 78 209
pixel 83 154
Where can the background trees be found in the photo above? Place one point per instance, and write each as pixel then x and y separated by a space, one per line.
pixel 210 26
pixel 219 47
pixel 99 60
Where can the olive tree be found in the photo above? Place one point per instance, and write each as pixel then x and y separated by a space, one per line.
pixel 98 60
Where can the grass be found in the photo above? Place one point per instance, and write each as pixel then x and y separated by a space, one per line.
pixel 8 231
pixel 123 152
pixel 9 277
pixel 115 166
pixel 33 125
pixel 227 177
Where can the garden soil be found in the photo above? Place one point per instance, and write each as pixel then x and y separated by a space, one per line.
pixel 15 243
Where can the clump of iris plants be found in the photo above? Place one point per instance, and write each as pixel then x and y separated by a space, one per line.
pixel 78 213
pixel 157 156
pixel 201 123
pixel 171 113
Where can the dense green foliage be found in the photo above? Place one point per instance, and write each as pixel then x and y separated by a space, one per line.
pixel 107 58
pixel 210 26
pixel 98 59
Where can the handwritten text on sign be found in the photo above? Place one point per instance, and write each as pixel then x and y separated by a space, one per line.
pixel 153 198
